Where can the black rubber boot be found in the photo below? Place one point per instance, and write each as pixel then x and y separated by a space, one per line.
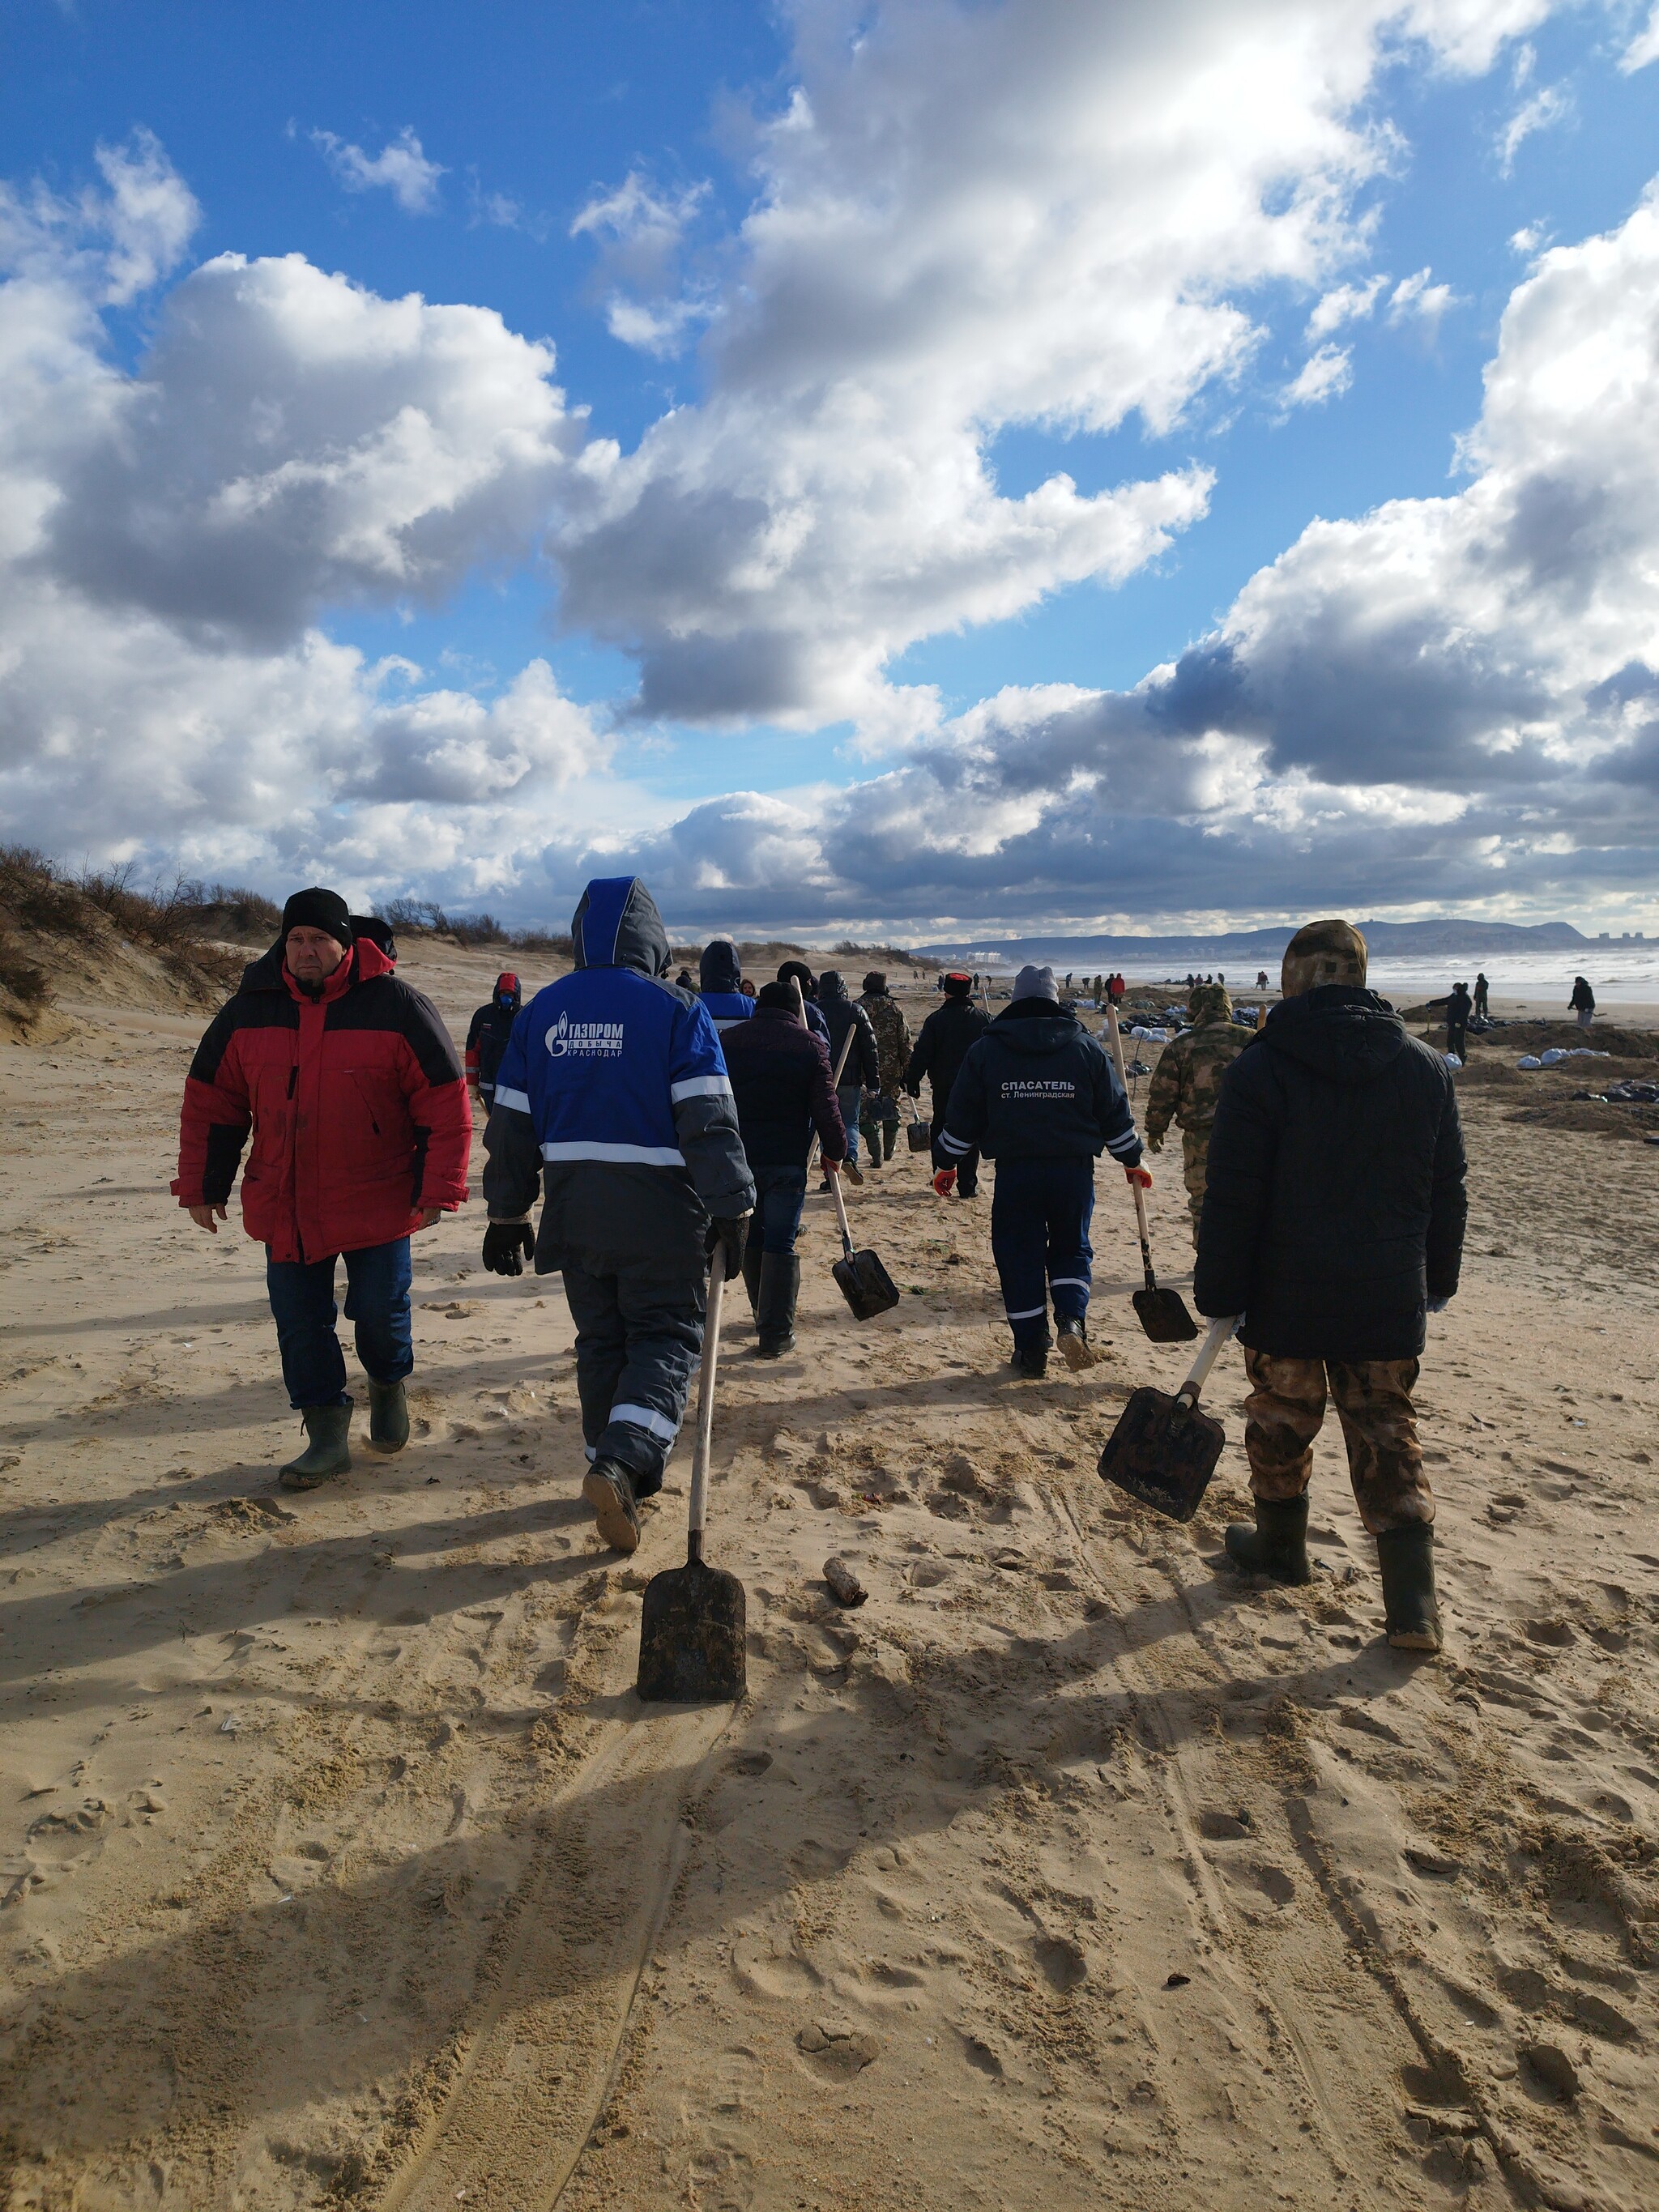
pixel 328 1452
pixel 889 1139
pixel 1407 1559
pixel 774 1314
pixel 751 1271
pixel 1074 1346
pixel 388 1417
pixel 1277 1545
pixel 609 1489
pixel 1031 1360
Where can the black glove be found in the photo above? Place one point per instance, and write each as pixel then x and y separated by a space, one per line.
pixel 507 1246
pixel 727 1233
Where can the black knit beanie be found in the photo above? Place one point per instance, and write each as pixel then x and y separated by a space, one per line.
pixel 320 909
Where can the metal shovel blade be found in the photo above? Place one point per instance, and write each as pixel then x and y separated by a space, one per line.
pixel 1162 1452
pixel 692 1632
pixel 920 1136
pixel 865 1284
pixel 1163 1316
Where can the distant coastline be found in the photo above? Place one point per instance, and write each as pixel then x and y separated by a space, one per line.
pixel 1445 938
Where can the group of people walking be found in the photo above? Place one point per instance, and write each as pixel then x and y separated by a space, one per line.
pixel 667 1130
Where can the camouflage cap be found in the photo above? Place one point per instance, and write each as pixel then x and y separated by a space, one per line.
pixel 1322 952
pixel 1210 1002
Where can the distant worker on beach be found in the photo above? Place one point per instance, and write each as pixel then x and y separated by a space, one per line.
pixel 350 1083
pixel 1038 1096
pixel 487 1034
pixel 1459 1007
pixel 1582 1001
pixel 1187 1084
pixel 1333 1222
pixel 1482 1002
pixel 614 1104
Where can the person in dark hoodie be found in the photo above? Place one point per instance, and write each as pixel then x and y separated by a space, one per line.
pixel 1333 1224
pixel 796 971
pixel 942 1044
pixel 346 1081
pixel 1037 1094
pixel 719 974
pixel 613 1098
pixel 487 1035
pixel 780 1079
pixel 861 1071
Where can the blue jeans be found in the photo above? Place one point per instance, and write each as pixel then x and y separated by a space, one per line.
pixel 1040 1217
pixel 377 1301
pixel 780 1195
pixel 847 1099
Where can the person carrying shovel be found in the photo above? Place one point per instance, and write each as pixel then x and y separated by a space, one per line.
pixel 1187 1084
pixel 1037 1094
pixel 613 1099
pixel 1333 1222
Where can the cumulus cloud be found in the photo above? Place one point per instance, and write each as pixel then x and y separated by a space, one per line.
pixel 969 218
pixel 1320 377
pixel 1345 303
pixel 1643 47
pixel 1551 104
pixel 400 168
pixel 1415 299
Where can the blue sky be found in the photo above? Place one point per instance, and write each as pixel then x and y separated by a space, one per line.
pixel 451 152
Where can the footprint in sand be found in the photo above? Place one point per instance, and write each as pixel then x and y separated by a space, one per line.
pixel 836 2053
pixel 1062 1963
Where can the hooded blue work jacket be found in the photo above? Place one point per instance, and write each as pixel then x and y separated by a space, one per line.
pixel 613 1095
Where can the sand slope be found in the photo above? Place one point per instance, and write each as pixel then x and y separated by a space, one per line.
pixel 339 1864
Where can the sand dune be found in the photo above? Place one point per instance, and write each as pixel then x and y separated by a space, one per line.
pixel 339 1864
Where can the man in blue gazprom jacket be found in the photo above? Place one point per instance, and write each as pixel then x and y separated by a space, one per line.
pixel 613 1097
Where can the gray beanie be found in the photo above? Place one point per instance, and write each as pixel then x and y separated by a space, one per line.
pixel 1036 983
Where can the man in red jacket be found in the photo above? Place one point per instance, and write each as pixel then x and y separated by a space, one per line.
pixel 348 1079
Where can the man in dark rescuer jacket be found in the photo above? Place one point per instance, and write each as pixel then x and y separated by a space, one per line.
pixel 1039 1097
pixel 487 1035
pixel 941 1046
pixel 719 975
pixel 1334 1222
pixel 862 1070
pixel 614 1097
pixel 780 1081
pixel 348 1079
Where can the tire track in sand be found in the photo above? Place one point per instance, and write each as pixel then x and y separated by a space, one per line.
pixel 537 2064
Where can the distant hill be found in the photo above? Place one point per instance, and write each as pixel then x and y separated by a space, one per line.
pixel 1242 948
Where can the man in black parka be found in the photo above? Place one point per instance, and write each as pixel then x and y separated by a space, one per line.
pixel 1333 1222
pixel 941 1046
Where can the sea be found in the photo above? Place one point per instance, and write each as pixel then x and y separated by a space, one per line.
pixel 1619 974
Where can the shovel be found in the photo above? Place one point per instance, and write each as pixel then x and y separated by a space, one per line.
pixel 863 1281
pixel 1163 1449
pixel 834 1080
pixel 1163 1314
pixel 693 1620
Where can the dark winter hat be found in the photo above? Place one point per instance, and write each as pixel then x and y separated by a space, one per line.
pixel 319 909
pixel 802 975
pixel 377 931
pixel 781 997
pixel 875 982
pixel 831 985
pixel 959 986
pixel 1037 983
pixel 1322 952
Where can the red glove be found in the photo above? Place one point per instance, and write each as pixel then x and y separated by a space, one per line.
pixel 945 1181
pixel 1142 1175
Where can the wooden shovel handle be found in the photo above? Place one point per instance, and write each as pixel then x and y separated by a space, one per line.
pixel 834 1080
pixel 711 1354
pixel 841 1215
pixel 1113 1033
pixel 1208 1353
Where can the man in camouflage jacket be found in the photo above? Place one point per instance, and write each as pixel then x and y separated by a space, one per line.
pixel 878 1118
pixel 1187 1083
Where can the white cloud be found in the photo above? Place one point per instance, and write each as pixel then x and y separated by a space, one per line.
pixel 1347 303
pixel 1550 106
pixel 1323 376
pixel 401 167
pixel 1414 299
pixel 1643 47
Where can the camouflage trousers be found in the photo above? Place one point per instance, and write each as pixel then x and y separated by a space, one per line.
pixel 1283 1412
pixel 1195 1170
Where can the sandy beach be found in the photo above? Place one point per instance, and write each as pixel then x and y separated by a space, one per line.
pixel 340 1865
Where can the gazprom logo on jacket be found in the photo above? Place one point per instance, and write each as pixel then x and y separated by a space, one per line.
pixel 593 1040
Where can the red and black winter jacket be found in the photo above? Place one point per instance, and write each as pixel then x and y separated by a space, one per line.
pixel 356 1100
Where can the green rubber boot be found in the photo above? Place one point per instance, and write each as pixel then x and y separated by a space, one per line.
pixel 1406 1557
pixel 388 1417
pixel 1277 1545
pixel 328 1452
